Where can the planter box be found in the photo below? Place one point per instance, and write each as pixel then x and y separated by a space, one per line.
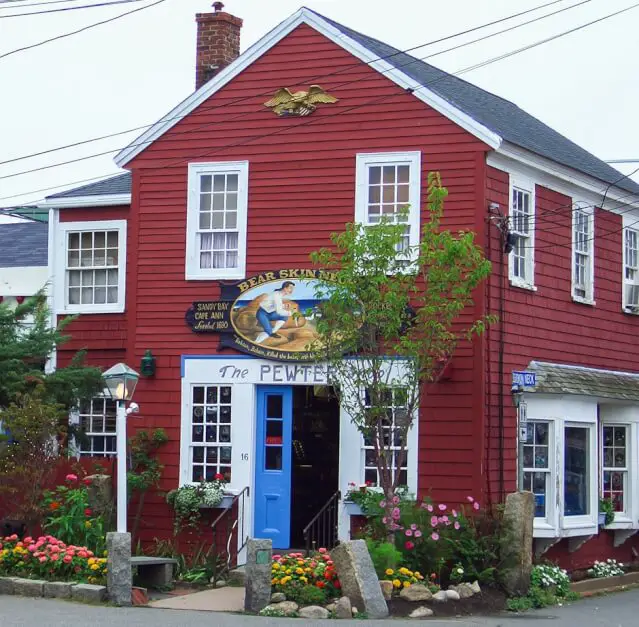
pixel 352 509
pixel 225 503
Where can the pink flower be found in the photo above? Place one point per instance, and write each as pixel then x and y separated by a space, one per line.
pixel 429 507
pixel 442 507
pixel 42 559
pixel 408 532
pixel 54 557
pixel 434 536
pixel 413 526
pixel 457 525
pixel 395 500
pixel 275 557
pixel 28 540
pixel 32 548
pixel 71 477
pixel 454 513
pixel 329 562
pixel 475 505
pixel 424 505
pixel 382 504
pixel 409 545
pixel 418 534
pixel 322 551
pixel 444 519
pixel 85 554
pixel 67 559
pixel 395 513
pixel 385 520
pixel 470 499
pixel 434 521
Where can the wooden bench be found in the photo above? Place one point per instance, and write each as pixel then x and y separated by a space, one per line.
pixel 153 572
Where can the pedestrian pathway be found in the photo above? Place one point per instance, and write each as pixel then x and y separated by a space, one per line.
pixel 227 599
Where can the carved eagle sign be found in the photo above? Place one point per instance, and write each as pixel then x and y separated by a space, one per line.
pixel 284 102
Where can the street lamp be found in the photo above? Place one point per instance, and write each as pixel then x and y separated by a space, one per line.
pixel 120 383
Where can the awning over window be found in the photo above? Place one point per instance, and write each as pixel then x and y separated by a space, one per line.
pixel 563 379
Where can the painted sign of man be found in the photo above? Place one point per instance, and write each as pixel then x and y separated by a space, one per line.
pixel 274 309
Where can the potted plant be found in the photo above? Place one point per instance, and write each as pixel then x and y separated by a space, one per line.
pixel 189 499
pixel 355 499
pixel 606 512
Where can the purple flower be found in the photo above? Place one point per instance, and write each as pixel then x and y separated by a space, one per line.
pixel 434 521
pixel 434 536
pixel 442 507
pixel 409 532
pixel 395 513
pixel 395 500
pixel 413 526
pixel 454 513
pixel 382 503
pixel 418 533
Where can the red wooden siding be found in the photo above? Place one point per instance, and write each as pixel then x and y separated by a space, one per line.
pixel 301 188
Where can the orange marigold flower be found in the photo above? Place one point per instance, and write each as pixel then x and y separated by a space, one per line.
pixel 54 505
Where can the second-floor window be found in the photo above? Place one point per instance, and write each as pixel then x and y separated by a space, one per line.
pixel 522 226
pixel 388 186
pixel 90 264
pixel 582 254
pixel 631 270
pixel 216 220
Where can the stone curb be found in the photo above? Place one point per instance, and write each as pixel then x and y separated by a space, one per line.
pixel 604 584
pixel 35 588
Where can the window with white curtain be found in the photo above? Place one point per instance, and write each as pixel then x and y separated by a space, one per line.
pixel 216 220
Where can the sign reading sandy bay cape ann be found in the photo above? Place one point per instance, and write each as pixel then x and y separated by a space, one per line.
pixel 270 315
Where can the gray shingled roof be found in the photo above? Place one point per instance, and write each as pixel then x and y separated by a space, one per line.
pixel 500 116
pixel 23 244
pixel 562 379
pixel 119 184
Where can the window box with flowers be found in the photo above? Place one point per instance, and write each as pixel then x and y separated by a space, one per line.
pixel 362 500
pixel 189 499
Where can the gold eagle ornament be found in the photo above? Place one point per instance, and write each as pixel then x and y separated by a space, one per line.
pixel 300 103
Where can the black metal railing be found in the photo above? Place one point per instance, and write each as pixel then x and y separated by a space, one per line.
pixel 233 517
pixel 322 530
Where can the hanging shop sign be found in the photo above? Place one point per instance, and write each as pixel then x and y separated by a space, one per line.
pixel 271 315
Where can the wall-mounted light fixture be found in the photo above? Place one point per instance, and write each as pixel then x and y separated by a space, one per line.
pixel 147 365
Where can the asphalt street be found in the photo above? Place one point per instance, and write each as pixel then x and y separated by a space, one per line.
pixel 616 610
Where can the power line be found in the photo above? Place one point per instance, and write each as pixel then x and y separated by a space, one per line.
pixel 244 98
pixel 197 128
pixel 80 30
pixel 10 4
pixel 84 6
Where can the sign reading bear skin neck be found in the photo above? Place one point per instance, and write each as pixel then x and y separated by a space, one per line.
pixel 270 315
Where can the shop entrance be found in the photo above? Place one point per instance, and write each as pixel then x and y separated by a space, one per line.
pixel 297 459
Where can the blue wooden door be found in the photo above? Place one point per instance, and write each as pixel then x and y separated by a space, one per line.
pixel 273 464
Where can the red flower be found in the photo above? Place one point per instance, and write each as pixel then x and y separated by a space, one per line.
pixel 219 477
pixel 87 512
pixel 409 545
pixel 320 584
pixel 86 481
pixel 54 505
pixel 337 584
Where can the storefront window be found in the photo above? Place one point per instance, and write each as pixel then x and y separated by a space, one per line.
pixel 576 471
pixel 536 464
pixel 615 469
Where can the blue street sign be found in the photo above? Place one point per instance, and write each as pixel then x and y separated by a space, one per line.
pixel 525 378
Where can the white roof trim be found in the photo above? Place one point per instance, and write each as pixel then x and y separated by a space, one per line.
pixel 73 202
pixel 304 16
pixel 562 179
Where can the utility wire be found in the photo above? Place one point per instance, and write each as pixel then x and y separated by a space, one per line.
pixel 79 30
pixel 245 98
pixel 84 6
pixel 9 4
pixel 197 128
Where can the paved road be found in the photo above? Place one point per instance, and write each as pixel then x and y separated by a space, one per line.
pixel 618 610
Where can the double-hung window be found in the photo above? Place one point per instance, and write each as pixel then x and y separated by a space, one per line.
pixel 537 464
pixel 582 254
pixel 388 187
pixel 97 421
pixel 630 266
pixel 614 463
pixel 90 264
pixel 216 220
pixel 522 227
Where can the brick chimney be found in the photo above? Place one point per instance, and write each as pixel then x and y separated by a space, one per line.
pixel 218 42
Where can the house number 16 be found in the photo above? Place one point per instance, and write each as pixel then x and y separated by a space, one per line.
pixel 244 457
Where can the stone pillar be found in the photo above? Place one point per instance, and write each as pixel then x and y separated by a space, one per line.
pixel 358 578
pixel 257 583
pixel 517 547
pixel 100 495
pixel 119 577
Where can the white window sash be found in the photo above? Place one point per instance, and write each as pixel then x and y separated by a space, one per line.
pixel 364 161
pixel 194 235
pixel 547 470
pixel 585 253
pixel 630 264
pixel 526 237
pixel 60 270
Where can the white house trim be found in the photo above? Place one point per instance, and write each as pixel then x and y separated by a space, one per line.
pixel 106 200
pixel 304 16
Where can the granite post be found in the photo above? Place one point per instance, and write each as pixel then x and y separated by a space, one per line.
pixel 119 578
pixel 257 583
pixel 358 578
pixel 517 546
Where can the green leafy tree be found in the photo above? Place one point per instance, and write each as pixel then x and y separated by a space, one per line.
pixel 383 299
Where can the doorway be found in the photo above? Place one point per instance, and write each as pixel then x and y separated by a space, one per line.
pixel 297 459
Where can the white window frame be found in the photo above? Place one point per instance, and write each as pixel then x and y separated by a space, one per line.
pixel 549 471
pixel 413 159
pixel 588 211
pixel 77 419
pixel 518 183
pixel 62 306
pixel 630 223
pixel 620 416
pixel 193 272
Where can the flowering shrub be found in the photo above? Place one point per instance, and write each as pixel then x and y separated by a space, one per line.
pixel 609 568
pixel 69 517
pixel 549 585
pixel 187 500
pixel 403 577
pixel 550 576
pixel 49 558
pixel 291 573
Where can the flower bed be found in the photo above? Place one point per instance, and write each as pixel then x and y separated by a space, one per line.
pixel 50 559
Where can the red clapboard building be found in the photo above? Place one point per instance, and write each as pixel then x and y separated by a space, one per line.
pixel 197 255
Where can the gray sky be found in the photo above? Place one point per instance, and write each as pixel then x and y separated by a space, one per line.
pixel 134 70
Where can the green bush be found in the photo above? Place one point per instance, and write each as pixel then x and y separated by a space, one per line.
pixel 384 556
pixel 307 595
